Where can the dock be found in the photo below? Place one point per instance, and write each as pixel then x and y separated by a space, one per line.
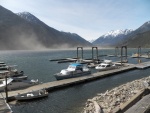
pixel 89 60
pixel 143 65
pixel 72 81
pixel 4 107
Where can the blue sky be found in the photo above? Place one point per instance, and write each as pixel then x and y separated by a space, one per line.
pixel 88 18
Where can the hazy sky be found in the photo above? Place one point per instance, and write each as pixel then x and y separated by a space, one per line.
pixel 88 18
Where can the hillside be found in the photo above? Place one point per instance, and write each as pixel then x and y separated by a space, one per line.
pixel 142 40
pixel 140 37
pixel 131 38
pixel 25 31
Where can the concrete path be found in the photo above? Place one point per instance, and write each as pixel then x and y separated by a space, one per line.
pixel 142 106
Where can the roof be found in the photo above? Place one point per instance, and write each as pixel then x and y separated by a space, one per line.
pixel 76 64
pixel 104 64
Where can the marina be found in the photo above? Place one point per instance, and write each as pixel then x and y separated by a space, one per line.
pixel 78 56
pixel 73 81
pixel 54 85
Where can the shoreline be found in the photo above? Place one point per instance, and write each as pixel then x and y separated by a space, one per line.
pixel 118 98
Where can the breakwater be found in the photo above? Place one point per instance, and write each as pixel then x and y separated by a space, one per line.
pixel 118 98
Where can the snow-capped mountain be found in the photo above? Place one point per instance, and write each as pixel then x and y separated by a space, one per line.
pixel 115 33
pixel 112 37
pixel 28 16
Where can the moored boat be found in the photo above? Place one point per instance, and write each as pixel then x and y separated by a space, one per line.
pixel 73 70
pixel 32 95
pixel 135 55
pixel 16 84
pixel 11 71
pixel 106 65
pixel 3 82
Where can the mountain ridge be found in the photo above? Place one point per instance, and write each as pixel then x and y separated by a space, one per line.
pixel 19 33
pixel 114 33
pixel 130 38
pixel 66 35
pixel 112 37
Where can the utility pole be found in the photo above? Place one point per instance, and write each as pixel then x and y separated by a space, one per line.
pixel 6 89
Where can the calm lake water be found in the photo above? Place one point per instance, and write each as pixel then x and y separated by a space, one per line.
pixel 36 65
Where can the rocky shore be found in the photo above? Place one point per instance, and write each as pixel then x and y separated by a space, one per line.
pixel 110 100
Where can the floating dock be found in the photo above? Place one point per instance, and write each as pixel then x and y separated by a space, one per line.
pixel 143 65
pixel 141 56
pixel 90 60
pixel 67 82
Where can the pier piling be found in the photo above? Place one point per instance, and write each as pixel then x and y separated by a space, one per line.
pixel 96 48
pixel 78 52
pixel 116 51
pixel 122 50
pixel 139 51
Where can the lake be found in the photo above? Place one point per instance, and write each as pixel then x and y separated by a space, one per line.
pixel 36 65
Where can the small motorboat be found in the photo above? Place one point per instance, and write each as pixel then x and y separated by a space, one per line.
pixel 106 65
pixel 135 55
pixel 19 78
pixel 32 95
pixel 73 70
pixel 11 71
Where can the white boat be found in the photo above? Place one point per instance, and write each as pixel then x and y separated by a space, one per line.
pixel 11 71
pixel 73 70
pixel 135 55
pixel 3 67
pixel 2 62
pixel 3 82
pixel 106 65
pixel 32 95
pixel 4 73
pixel 19 78
pixel 17 84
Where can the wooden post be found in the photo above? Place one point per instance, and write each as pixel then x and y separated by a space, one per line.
pixel 139 51
pixel 121 53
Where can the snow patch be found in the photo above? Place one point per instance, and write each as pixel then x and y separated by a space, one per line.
pixel 115 33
